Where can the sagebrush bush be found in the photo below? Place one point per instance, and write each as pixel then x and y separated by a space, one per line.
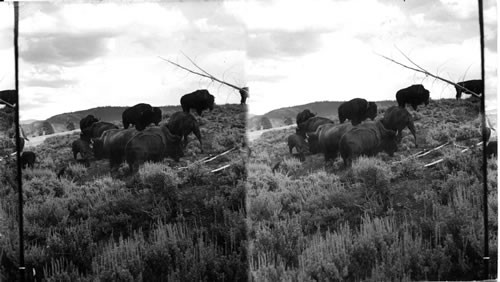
pixel 76 171
pixel 374 174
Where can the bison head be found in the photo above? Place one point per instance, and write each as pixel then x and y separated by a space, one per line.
pixel 371 110
pixel 97 146
pixel 389 142
pixel 313 140
pixel 156 115
pixel 174 145
pixel 426 95
pixel 304 115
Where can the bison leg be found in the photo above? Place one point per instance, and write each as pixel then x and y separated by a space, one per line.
pixel 291 149
pixel 414 106
pixel 75 153
pixel 411 127
pixel 197 133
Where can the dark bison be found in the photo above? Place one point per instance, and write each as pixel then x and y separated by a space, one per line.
pixel 141 115
pixel 304 115
pixel 326 139
pixel 357 110
pixel 111 145
pixel 414 95
pixel 475 86
pixel 9 96
pixel 87 122
pixel 397 119
pixel 299 143
pixel 199 100
pixel 367 139
pixel 82 147
pixel 244 95
pixel 311 125
pixel 182 124
pixel 152 144
pixel 96 130
pixel 492 149
pixel 28 158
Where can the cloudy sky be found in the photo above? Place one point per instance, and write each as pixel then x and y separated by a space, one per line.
pixel 306 51
pixel 289 52
pixel 79 56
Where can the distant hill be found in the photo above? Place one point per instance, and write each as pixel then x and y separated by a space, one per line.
pixel 326 109
pixel 59 122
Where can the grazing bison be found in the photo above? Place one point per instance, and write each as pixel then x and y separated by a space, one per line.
pixel 111 145
pixel 96 130
pixel 141 115
pixel 326 139
pixel 152 144
pixel 182 124
pixel 83 147
pixel 357 110
pixel 87 122
pixel 311 125
pixel 414 95
pixel 28 158
pixel 492 149
pixel 475 86
pixel 199 100
pixel 367 139
pixel 299 143
pixel 9 96
pixel 397 118
pixel 244 95
pixel 304 115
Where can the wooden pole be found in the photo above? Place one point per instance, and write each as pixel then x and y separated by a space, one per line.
pixel 486 256
pixel 20 215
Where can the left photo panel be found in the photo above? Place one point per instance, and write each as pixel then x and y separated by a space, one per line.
pixel 133 117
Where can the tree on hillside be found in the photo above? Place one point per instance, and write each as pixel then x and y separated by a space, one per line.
pixel 45 129
pixel 70 125
pixel 265 123
pixel 288 121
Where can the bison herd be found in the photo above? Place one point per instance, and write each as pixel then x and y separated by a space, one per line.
pixel 142 142
pixel 320 135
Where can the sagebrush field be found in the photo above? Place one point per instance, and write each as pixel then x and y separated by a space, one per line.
pixel 169 222
pixel 384 219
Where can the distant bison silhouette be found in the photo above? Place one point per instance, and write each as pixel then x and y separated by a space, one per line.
pixel 199 100
pixel 367 139
pixel 311 125
pixel 9 96
pixel 152 144
pixel 82 147
pixel 111 145
pixel 303 116
pixel 475 86
pixel 141 115
pixel 357 110
pixel 96 130
pixel 182 124
pixel 492 149
pixel 414 95
pixel 299 143
pixel 397 119
pixel 28 158
pixel 87 122
pixel 326 139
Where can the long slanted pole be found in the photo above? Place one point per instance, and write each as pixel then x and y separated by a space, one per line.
pixel 486 256
pixel 18 146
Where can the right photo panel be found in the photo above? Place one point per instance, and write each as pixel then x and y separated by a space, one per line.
pixel 365 131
